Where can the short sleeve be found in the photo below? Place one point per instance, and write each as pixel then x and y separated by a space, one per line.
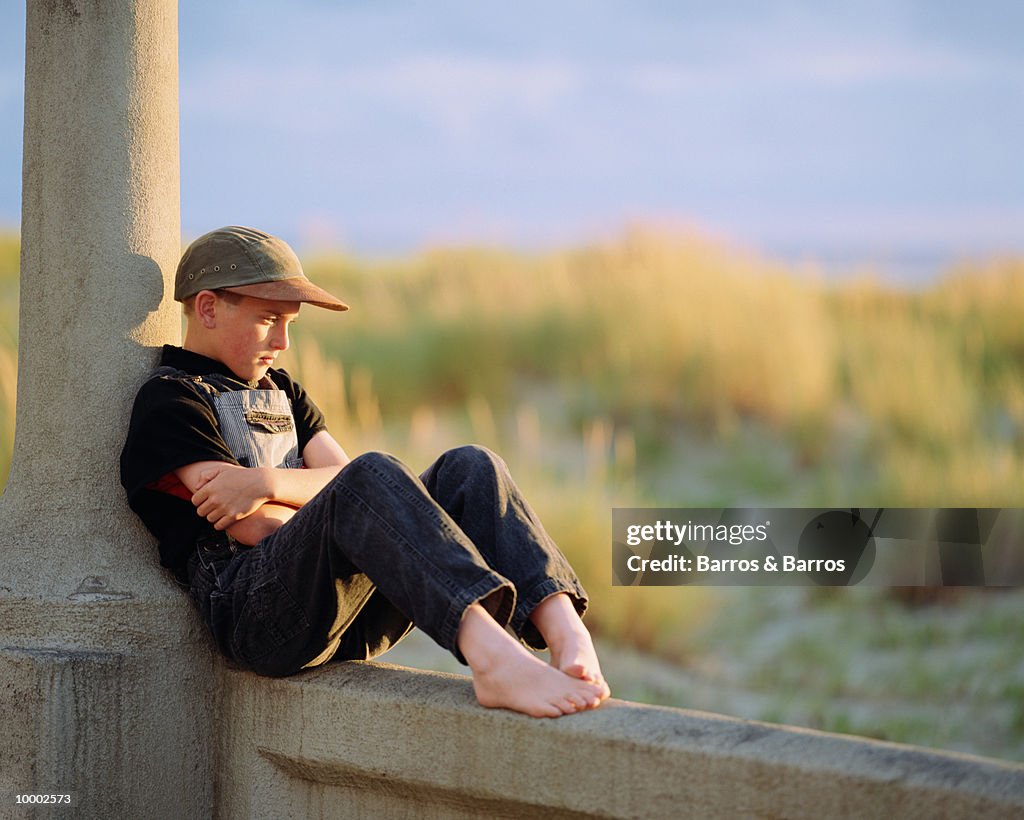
pixel 171 426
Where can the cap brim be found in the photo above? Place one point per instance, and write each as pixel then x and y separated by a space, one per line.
pixel 292 290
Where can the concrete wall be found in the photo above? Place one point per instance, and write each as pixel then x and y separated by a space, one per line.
pixel 104 676
pixel 374 740
pixel 100 239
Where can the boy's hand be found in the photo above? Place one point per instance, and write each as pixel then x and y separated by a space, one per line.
pixel 227 493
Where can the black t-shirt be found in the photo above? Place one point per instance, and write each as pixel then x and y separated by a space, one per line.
pixel 172 425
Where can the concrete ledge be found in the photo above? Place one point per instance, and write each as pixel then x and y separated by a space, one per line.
pixel 108 700
pixel 375 740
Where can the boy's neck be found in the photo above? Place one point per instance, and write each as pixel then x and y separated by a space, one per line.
pixel 197 343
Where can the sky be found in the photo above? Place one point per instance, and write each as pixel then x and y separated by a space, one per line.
pixel 843 130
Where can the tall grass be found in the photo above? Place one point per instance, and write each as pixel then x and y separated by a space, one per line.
pixel 590 367
pixel 665 370
pixel 595 369
pixel 646 330
pixel 921 393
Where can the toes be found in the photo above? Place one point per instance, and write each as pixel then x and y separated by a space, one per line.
pixel 600 684
pixel 550 710
pixel 597 695
pixel 579 670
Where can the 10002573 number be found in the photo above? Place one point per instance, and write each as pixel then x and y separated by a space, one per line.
pixel 22 799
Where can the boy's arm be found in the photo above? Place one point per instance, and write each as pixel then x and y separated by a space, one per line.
pixel 266 520
pixel 260 523
pixel 226 494
pixel 323 451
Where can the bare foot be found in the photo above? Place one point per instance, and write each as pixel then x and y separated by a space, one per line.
pixel 572 648
pixel 575 655
pixel 506 675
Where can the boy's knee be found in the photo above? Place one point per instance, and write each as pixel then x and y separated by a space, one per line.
pixel 372 465
pixel 474 455
pixel 376 460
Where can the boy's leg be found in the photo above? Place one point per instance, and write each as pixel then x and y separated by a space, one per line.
pixel 473 485
pixel 274 605
pixel 373 527
pixel 378 626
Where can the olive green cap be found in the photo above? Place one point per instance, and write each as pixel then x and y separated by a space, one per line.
pixel 249 262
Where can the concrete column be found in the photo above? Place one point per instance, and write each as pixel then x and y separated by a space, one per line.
pixel 104 682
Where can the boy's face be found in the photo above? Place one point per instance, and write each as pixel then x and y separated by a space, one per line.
pixel 249 335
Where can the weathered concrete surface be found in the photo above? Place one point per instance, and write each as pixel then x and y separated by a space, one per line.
pixel 373 740
pixel 81 722
pixel 104 677
pixel 100 229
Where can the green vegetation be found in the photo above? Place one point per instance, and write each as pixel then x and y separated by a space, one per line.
pixel 862 393
pixel 854 660
pixel 667 371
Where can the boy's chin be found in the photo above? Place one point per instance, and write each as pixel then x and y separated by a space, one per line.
pixel 253 373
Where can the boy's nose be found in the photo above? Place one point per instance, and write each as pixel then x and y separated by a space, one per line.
pixel 279 340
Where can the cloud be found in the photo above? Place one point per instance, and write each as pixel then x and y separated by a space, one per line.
pixel 793 60
pixel 535 119
pixel 454 93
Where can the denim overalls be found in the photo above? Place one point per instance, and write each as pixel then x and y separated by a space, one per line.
pixel 376 551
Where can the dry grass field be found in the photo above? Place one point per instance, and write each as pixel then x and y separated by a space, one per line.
pixel 660 370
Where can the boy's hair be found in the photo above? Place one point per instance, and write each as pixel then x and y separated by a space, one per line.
pixel 188 305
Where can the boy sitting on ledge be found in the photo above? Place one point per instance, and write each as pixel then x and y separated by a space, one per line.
pixel 338 560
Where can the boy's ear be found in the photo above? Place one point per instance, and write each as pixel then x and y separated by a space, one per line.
pixel 205 308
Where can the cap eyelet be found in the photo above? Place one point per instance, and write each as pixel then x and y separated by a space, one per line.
pixel 216 267
pixel 202 270
pixel 191 276
pixel 233 267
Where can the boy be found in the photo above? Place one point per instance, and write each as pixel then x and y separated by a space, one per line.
pixel 295 554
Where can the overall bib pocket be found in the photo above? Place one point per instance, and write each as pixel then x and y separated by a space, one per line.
pixel 258 427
